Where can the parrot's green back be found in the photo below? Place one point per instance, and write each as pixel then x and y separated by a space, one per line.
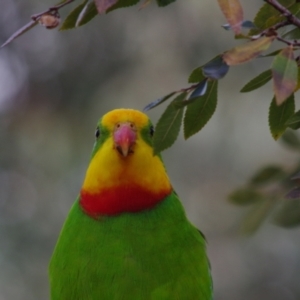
pixel 154 254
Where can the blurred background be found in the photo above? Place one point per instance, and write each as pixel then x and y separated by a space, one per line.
pixel 54 86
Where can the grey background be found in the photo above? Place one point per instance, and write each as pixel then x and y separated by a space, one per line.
pixel 54 86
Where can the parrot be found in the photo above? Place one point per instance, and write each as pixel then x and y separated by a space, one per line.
pixel 127 235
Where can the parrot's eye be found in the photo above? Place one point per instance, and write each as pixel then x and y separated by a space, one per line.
pixel 97 132
pixel 151 130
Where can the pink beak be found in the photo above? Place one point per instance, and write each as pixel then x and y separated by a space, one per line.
pixel 124 138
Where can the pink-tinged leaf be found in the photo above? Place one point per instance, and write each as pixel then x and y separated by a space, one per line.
pixel 19 32
pixel 233 12
pixel 248 51
pixel 104 5
pixel 285 74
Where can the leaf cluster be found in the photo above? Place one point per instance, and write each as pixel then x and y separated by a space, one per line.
pixel 259 35
pixel 265 193
pixel 193 106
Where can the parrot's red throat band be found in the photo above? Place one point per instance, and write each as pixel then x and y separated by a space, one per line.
pixel 118 200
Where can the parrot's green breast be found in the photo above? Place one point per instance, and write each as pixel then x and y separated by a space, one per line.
pixel 154 254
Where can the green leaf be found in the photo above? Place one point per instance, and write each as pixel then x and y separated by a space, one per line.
pixel 168 126
pixel 196 75
pixel 164 2
pixel 81 15
pixel 257 215
pixel 294 121
pixel 123 3
pixel 288 215
pixel 291 140
pixel 273 20
pixel 267 16
pixel 295 9
pixel 285 74
pixel 71 19
pixel 245 196
pixel 61 2
pixel 200 111
pixel 257 81
pixel 233 12
pixel 268 174
pixel 185 103
pixel 87 14
pixel 293 34
pixel 278 116
pixel 298 81
pixel 264 13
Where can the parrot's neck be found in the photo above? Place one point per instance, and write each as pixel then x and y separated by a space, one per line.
pixel 114 184
pixel 120 199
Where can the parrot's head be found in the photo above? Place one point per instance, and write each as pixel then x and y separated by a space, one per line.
pixel 124 175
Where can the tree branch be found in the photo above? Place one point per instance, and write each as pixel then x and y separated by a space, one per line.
pixel 291 18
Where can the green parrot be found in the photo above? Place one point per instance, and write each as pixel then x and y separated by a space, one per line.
pixel 127 235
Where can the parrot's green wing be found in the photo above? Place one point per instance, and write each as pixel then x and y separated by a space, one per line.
pixel 154 254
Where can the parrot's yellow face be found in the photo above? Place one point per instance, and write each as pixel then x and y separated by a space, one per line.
pixel 123 174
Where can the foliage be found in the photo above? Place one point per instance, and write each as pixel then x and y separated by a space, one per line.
pixel 276 20
pixel 262 32
pixel 266 193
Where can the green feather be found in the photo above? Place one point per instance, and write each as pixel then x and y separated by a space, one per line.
pixel 154 254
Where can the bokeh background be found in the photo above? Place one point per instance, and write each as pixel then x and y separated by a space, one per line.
pixel 54 86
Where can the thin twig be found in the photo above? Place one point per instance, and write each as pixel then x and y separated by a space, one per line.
pixel 188 89
pixel 52 9
pixel 284 41
pixel 275 27
pixel 35 19
pixel 271 31
pixel 290 43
